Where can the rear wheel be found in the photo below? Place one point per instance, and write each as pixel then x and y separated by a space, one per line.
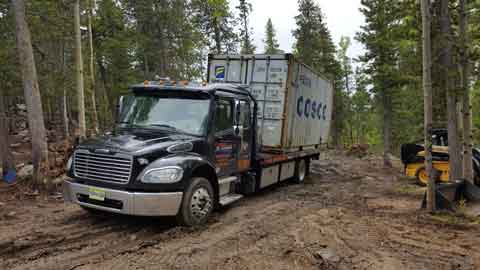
pixel 422 176
pixel 197 203
pixel 301 171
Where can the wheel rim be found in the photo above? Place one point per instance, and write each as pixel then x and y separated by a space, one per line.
pixel 201 203
pixel 301 170
pixel 422 176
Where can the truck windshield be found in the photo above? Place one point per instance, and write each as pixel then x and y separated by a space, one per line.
pixel 178 114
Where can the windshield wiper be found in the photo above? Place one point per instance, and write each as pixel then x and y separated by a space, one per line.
pixel 173 128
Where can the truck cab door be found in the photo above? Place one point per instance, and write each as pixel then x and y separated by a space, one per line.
pixel 226 141
pixel 243 129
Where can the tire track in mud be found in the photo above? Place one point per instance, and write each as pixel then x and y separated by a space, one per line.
pixel 67 236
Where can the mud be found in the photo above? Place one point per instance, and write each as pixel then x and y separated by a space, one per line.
pixel 350 214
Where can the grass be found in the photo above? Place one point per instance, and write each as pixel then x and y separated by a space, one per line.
pixel 406 188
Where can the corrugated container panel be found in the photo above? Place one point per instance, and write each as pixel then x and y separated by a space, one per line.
pixel 294 103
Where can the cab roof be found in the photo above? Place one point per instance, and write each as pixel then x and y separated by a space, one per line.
pixel 208 88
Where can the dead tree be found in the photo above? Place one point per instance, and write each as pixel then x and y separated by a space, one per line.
pixel 467 168
pixel 32 95
pixel 79 71
pixel 92 68
pixel 6 156
pixel 448 76
pixel 428 107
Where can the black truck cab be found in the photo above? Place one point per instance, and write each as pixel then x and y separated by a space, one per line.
pixel 178 151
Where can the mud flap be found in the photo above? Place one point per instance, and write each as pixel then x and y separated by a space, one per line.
pixel 449 196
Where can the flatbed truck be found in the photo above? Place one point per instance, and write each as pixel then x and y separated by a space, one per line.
pixel 184 150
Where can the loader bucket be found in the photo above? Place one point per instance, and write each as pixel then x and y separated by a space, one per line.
pixel 457 196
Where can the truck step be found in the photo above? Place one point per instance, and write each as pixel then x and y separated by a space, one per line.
pixel 230 198
pixel 225 184
pixel 227 180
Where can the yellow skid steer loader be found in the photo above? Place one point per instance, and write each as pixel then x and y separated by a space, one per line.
pixel 413 158
pixel 459 195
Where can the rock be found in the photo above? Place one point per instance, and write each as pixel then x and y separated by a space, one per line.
pixel 58 180
pixel 59 162
pixel 21 107
pixel 15 145
pixel 327 254
pixel 23 133
pixel 368 178
pixel 25 171
pixel 20 165
pixel 11 214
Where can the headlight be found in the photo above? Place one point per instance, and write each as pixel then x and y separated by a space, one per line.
pixel 69 163
pixel 163 175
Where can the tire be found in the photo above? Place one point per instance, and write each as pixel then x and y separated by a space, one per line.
pixel 476 178
pixel 421 176
pixel 197 203
pixel 301 171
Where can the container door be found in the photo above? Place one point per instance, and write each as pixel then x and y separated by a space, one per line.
pixel 267 79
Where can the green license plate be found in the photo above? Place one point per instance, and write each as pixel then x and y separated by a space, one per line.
pixel 96 194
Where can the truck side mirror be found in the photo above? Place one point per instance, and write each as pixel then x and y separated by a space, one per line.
pixel 237 113
pixel 119 108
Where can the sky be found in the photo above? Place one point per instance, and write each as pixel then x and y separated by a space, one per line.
pixel 343 19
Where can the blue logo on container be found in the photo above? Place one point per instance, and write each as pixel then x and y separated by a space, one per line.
pixel 219 72
pixel 309 108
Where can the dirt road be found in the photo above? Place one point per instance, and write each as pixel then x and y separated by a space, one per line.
pixel 351 214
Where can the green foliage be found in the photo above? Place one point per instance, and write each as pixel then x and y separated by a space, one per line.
pixel 246 43
pixel 9 77
pixel 392 63
pixel 271 43
pixel 314 46
pixel 216 22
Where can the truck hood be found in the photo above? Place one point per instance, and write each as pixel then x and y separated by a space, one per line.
pixel 136 142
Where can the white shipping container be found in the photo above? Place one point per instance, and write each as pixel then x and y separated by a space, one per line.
pixel 294 103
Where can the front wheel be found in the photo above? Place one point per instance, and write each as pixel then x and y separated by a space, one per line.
pixel 197 203
pixel 421 177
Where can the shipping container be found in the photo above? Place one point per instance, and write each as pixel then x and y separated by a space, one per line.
pixel 295 102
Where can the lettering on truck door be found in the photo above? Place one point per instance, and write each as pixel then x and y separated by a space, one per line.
pixel 225 139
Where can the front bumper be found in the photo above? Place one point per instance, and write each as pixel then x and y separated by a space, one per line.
pixel 125 202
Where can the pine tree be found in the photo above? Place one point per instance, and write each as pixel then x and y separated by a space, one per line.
pixel 381 60
pixel 271 43
pixel 246 44
pixel 214 19
pixel 314 46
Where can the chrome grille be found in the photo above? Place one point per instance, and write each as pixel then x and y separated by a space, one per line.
pixel 102 167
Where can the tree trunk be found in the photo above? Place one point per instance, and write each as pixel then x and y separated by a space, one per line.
pixel 428 104
pixel 79 71
pixel 64 97
pixel 6 156
pixel 92 68
pixel 32 96
pixel 467 172
pixel 218 39
pixel 387 128
pixel 449 84
pixel 336 121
